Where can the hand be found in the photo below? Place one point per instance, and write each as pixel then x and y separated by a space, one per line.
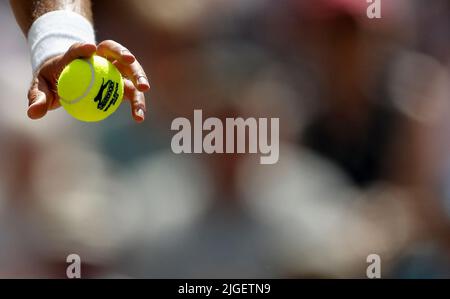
pixel 43 97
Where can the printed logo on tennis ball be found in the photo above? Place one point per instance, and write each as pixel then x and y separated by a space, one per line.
pixel 90 89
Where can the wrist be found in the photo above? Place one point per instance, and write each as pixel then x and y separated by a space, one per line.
pixel 53 33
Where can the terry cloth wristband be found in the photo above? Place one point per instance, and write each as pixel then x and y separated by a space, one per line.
pixel 53 33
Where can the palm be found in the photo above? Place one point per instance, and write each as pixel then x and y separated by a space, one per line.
pixel 43 95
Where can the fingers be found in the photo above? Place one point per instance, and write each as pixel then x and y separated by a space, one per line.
pixel 135 73
pixel 114 51
pixel 78 50
pixel 125 62
pixel 137 101
pixel 42 96
pixel 136 83
pixel 39 99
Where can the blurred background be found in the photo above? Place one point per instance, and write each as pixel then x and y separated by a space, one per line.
pixel 364 162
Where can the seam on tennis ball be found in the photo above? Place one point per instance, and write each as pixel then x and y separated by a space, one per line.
pixel 91 84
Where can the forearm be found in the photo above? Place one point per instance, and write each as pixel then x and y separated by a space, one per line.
pixel 53 26
pixel 27 11
pixel 60 31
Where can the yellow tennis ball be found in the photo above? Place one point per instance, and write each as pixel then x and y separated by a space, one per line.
pixel 90 89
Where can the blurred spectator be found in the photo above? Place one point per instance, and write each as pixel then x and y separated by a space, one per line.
pixel 363 165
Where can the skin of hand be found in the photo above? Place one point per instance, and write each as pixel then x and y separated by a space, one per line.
pixel 42 95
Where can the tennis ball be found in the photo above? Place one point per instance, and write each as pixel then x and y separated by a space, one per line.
pixel 90 89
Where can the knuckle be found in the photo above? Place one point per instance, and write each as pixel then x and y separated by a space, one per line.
pixel 124 50
pixel 138 74
pixel 31 91
pixel 31 95
pixel 73 47
pixel 139 101
pixel 139 105
pixel 109 43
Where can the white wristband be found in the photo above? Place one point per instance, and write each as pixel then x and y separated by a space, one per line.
pixel 53 33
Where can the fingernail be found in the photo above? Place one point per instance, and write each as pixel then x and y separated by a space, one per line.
pixel 140 113
pixel 143 81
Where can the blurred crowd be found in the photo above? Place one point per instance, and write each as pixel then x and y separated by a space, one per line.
pixel 364 162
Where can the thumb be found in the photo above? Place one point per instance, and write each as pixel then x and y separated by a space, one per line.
pixel 39 99
pixel 78 50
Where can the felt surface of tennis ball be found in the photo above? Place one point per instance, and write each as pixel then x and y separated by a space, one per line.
pixel 91 89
